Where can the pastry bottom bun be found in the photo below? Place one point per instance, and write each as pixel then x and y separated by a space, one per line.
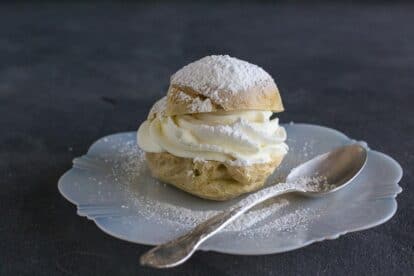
pixel 210 179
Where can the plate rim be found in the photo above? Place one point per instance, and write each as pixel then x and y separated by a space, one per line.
pixel 392 197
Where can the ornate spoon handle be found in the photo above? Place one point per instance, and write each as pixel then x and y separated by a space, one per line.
pixel 180 249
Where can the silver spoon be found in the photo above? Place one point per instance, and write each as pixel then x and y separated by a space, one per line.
pixel 336 169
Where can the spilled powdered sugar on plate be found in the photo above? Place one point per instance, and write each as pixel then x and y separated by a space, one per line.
pixel 114 205
pixel 264 219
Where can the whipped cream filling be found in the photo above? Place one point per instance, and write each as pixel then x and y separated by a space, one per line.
pixel 235 137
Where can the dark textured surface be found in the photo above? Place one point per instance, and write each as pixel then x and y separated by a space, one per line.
pixel 70 74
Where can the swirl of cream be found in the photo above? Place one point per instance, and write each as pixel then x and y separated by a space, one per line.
pixel 235 137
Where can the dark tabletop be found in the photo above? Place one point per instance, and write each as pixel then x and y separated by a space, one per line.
pixel 70 74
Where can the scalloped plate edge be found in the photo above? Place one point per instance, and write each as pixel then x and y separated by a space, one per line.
pixel 391 197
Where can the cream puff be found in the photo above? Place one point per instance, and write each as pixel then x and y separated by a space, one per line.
pixel 212 134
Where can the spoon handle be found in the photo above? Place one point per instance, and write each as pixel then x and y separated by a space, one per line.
pixel 177 251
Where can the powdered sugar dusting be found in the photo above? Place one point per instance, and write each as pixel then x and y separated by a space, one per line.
pixel 159 107
pixel 195 105
pixel 221 73
pixel 288 222
pixel 314 184
pixel 132 165
pixel 198 105
pixel 272 215
pixel 304 184
pixel 181 96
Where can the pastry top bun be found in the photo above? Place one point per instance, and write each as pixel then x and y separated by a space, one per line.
pixel 221 83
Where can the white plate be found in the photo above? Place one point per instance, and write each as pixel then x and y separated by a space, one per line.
pixel 110 186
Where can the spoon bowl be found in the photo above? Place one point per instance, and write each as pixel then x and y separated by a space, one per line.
pixel 336 168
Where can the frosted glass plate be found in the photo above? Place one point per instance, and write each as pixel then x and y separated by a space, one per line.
pixel 110 186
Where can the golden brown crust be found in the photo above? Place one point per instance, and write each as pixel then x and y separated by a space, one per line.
pixel 212 84
pixel 256 98
pixel 210 179
pixel 158 109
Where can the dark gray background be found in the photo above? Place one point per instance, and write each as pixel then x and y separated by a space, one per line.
pixel 70 74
